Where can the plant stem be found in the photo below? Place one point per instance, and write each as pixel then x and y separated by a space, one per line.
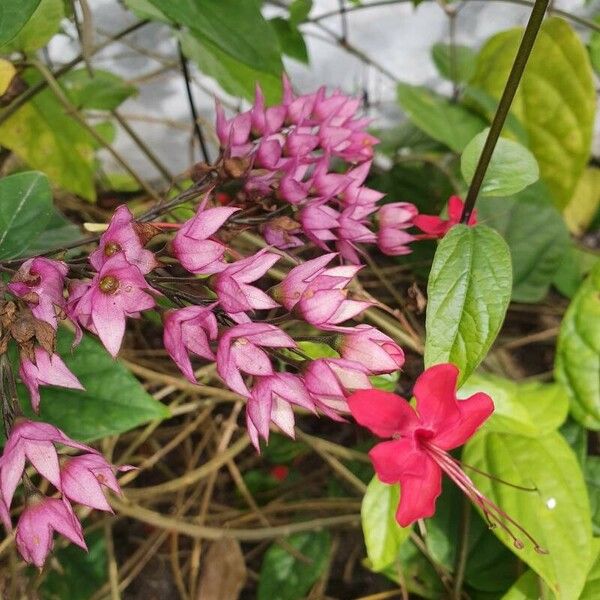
pixel 510 89
pixel 188 90
pixel 463 551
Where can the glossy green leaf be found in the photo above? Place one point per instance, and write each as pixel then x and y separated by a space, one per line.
pixel 47 139
pixel 299 11
pixel 236 29
pixel 13 16
pixel 40 28
pixel 528 408
pixel 80 573
pixel 235 77
pixel 555 101
pixel 578 352
pixel 556 514
pixel 103 91
pixel 25 209
pixel 283 576
pixel 468 293
pixel 453 61
pixel 383 535
pixel 113 401
pixel 512 167
pixel 536 235
pixel 290 39
pixel 591 591
pixel 447 122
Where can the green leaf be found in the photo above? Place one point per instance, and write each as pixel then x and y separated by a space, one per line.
pixel 450 123
pixel 299 11
pixel 113 401
pixel 237 29
pixel 58 232
pixel 25 209
pixel 577 438
pixel 47 139
pixel 555 101
pixel 526 408
pixel 454 62
pixel 536 235
pixel 527 587
pixel 591 591
pixel 290 39
pixel 511 169
pixel 577 262
pixel 103 91
pixel 468 293
pixel 383 535
pixel 556 514
pixel 235 77
pixel 80 573
pixel 40 28
pixel 578 352
pixel 283 576
pixel 144 9
pixel 594 48
pixel 583 206
pixel 13 16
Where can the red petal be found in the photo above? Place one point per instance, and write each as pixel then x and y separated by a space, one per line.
pixel 435 391
pixel 418 494
pixel 455 209
pixel 473 412
pixel 384 413
pixel 431 224
pixel 397 459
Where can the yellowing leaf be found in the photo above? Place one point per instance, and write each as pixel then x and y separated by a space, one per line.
pixel 585 202
pixel 7 72
pixel 555 101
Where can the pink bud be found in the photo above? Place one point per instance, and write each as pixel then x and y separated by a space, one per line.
pixel 394 218
pixel 37 523
pixel 189 329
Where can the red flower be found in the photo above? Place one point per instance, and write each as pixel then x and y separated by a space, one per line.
pixel 417 453
pixel 437 227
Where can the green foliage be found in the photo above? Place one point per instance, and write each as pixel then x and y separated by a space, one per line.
pixel 591 591
pixel 48 139
pixel 556 513
pixel 454 62
pixel 449 123
pixel 536 235
pixel 57 233
pixel 113 401
pixel 468 293
pixel 591 470
pixel 555 101
pixel 25 210
pixel 578 352
pixel 511 169
pixel 527 587
pixel 290 39
pixel 81 573
pixel 13 17
pixel 383 535
pixel 103 91
pixel 283 576
pixel 585 202
pixel 40 28
pixel 594 48
pixel 299 11
pixel 577 262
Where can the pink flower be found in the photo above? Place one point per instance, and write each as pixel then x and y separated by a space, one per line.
pixel 240 351
pixel 189 329
pixel 271 400
pixel 417 452
pixel 281 233
pixel 437 227
pixel 192 245
pixel 41 282
pixel 83 477
pixel 394 219
pixel 265 121
pixel 318 220
pixel 317 294
pixel 118 291
pixel 37 524
pixel 234 293
pixel 5 515
pixel 234 134
pixel 370 347
pixel 32 441
pixel 330 381
pixel 46 370
pixel 122 238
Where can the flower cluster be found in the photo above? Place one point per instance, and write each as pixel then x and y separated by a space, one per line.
pixel 78 479
pixel 294 172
